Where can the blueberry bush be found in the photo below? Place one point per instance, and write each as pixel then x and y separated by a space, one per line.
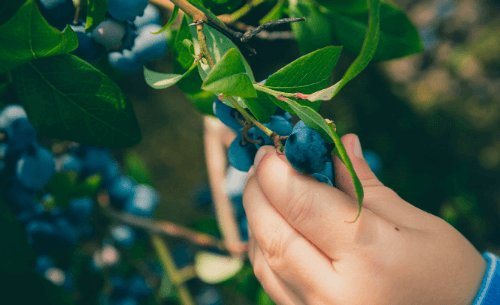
pixel 78 226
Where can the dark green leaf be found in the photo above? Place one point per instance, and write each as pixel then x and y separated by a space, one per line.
pixel 190 84
pixel 229 76
pixel 68 99
pixel 314 120
pixel 261 107
pixel 9 8
pixel 344 6
pixel 313 34
pixel 136 169
pixel 369 47
pixel 170 21
pixel 398 36
pixel 219 7
pixel 16 255
pixel 306 74
pixel 96 13
pixel 275 13
pixel 28 36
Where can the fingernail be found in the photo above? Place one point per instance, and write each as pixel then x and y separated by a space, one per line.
pixel 250 173
pixel 260 153
pixel 357 148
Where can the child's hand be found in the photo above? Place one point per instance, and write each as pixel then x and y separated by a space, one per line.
pixel 304 251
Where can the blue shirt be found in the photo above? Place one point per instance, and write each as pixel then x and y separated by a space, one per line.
pixel 489 293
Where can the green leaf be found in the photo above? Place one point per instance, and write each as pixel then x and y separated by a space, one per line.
pixel 180 53
pixel 274 14
pixel 28 36
pixel 190 84
pixel 350 6
pixel 306 74
pixel 135 168
pixel 219 7
pixel 96 13
pixel 369 47
pixel 170 21
pixel 229 76
pixel 314 120
pixel 9 8
pixel 66 98
pixel 313 34
pixel 398 36
pixel 159 80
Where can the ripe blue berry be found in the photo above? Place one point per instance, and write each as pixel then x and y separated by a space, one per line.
pixel 80 210
pixel 144 202
pixel 322 178
pixel 278 124
pixel 109 33
pixel 327 171
pixel 35 167
pixel 227 115
pixel 120 191
pixel 240 155
pixel 69 162
pixel 88 49
pixel 151 16
pixel 138 287
pixel 244 228
pixel 125 62
pixel 20 134
pixel 283 113
pixel 148 46
pixel 126 9
pixel 124 236
pixel 373 161
pixel 306 150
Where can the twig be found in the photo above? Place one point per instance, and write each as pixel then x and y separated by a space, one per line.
pixel 249 34
pixel 230 18
pixel 168 264
pixel 166 228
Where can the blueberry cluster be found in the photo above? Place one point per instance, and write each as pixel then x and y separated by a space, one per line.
pixel 125 34
pixel 26 168
pixel 305 149
pixel 234 186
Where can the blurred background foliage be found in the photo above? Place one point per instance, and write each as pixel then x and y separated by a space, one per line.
pixel 432 118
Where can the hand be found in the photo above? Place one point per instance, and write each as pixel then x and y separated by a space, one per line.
pixel 304 251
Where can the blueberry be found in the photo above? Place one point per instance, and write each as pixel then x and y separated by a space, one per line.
pixel 144 202
pixel 35 167
pixel 98 160
pixel 124 236
pixel 327 171
pixel 19 197
pixel 80 210
pixel 43 262
pixel 306 150
pixel 11 113
pixel 227 115
pixel 209 295
pixel 283 113
pixel 126 9
pixel 125 62
pixel 120 191
pixel 322 178
pixel 300 124
pixel 128 39
pixel 240 155
pixel 109 33
pixel 148 46
pixel 277 124
pixel 20 135
pixel 41 235
pixel 88 49
pixel 235 182
pixel 151 16
pixel 139 288
pixel 69 162
pixel 67 234
pixel 58 13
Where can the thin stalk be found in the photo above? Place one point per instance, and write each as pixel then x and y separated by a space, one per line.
pixel 274 92
pixel 191 10
pixel 230 18
pixel 168 264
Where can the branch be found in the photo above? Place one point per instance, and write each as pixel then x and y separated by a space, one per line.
pixel 230 18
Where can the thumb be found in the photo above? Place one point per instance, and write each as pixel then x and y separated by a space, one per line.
pixel 365 175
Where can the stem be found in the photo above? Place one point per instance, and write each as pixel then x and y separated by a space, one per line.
pixel 169 266
pixel 230 18
pixel 274 92
pixel 189 9
pixel 166 228
pixel 203 45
